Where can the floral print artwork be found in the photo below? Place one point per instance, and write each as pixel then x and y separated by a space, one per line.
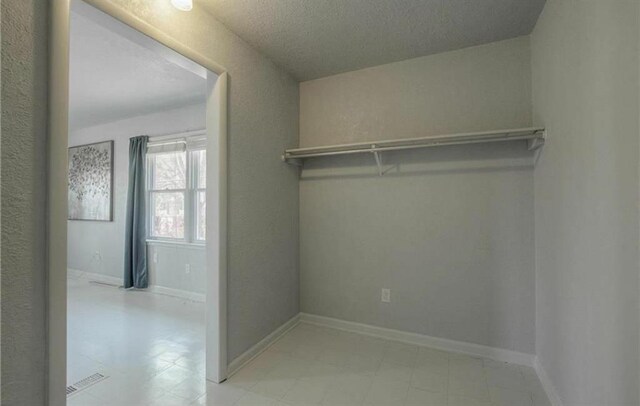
pixel 90 181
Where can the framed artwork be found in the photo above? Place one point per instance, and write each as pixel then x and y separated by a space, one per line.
pixel 91 182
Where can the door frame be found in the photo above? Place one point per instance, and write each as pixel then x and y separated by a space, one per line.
pixel 56 227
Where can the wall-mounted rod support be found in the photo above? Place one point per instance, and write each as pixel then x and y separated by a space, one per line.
pixel 378 158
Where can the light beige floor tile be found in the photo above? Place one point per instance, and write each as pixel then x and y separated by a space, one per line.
pixel 385 393
pixel 306 351
pixel 394 372
pixel 433 360
pixel 466 368
pixel 132 395
pixel 254 399
pixel 332 356
pixel 170 378
pixel 463 401
pixel 371 347
pixel 433 353
pixel 362 364
pixel 508 397
pixel 190 389
pixel 417 397
pixel 306 391
pixel 220 395
pixel 85 399
pixel 400 354
pixel 274 387
pixel 246 378
pixel 426 379
pixel 440 369
pixel 469 388
pixel 146 370
pixel 322 372
pixel 289 367
pixel 169 400
pixel 350 389
pixel 125 390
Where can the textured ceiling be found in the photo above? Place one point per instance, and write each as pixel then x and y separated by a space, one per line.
pixel 113 77
pixel 316 38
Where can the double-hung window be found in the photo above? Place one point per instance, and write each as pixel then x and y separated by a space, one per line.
pixel 176 190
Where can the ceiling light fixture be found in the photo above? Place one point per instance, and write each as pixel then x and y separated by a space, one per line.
pixel 182 5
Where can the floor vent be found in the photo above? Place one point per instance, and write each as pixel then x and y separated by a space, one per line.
pixel 85 383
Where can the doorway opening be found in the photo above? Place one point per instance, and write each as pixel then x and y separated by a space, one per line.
pixel 138 303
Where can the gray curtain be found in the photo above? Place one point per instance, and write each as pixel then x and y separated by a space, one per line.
pixel 135 249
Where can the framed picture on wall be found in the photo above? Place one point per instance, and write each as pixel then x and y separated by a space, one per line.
pixel 91 182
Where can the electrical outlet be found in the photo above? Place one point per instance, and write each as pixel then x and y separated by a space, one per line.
pixel 187 268
pixel 386 295
pixel 155 257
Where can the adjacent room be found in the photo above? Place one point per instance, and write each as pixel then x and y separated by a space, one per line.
pixel 327 203
pixel 136 213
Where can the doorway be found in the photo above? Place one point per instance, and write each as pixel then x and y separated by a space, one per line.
pixel 200 149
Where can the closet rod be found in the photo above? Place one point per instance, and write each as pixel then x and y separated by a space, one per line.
pixel 534 136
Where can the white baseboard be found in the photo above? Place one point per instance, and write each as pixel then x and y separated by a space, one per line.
pixel 111 280
pixel 444 344
pixel 95 277
pixel 547 385
pixel 260 347
pixel 182 294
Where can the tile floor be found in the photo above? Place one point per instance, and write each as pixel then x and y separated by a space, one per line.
pixel 151 346
pixel 310 365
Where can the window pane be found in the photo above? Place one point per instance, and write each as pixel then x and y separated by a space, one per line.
pixel 201 223
pixel 167 215
pixel 170 171
pixel 201 158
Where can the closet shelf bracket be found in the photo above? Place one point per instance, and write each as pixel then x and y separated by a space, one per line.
pixel 537 142
pixel 378 158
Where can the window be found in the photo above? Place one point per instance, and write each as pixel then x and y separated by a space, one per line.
pixel 176 186
pixel 200 178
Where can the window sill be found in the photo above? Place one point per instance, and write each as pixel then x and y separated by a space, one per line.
pixel 176 244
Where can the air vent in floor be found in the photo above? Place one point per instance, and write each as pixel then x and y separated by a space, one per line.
pixel 85 383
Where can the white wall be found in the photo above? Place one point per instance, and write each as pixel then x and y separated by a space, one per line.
pixel 474 89
pixel 23 163
pixel 449 230
pixel 585 92
pixel 168 267
pixel 98 247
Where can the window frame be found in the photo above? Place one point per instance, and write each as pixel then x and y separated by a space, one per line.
pixel 195 189
pixel 189 193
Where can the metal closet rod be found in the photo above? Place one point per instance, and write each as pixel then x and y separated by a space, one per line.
pixel 535 137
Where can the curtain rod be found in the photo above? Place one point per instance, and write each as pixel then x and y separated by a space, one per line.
pixel 189 133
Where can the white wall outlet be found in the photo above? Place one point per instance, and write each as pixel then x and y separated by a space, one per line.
pixel 187 268
pixel 155 257
pixel 386 295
